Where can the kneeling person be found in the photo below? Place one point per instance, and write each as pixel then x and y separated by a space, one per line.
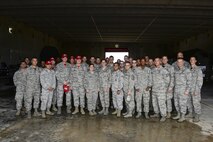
pixel 48 83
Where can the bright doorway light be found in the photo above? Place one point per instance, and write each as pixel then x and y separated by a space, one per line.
pixel 116 55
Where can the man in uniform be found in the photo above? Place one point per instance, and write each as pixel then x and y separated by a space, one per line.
pixel 98 64
pixel 33 88
pixel 48 83
pixel 182 82
pixel 186 64
pixel 72 61
pixel 143 77
pixel 169 93
pixel 62 76
pixel 195 92
pixel 110 63
pixel 129 82
pixel 160 79
pixel 117 89
pixel 105 82
pixel 54 101
pixel 84 63
pixel 77 77
pixel 19 80
pixel 91 84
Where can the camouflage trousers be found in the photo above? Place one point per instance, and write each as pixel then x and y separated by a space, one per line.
pixel 32 96
pixel 180 100
pixel 92 97
pixel 54 100
pixel 60 95
pixel 194 104
pixel 104 97
pixel 142 95
pixel 117 99
pixel 169 97
pixel 79 96
pixel 159 103
pixel 130 105
pixel 46 99
pixel 19 97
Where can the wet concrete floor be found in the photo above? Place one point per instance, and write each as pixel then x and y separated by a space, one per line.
pixel 101 129
pixel 81 128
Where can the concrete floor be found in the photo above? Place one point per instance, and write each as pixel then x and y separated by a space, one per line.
pixel 102 129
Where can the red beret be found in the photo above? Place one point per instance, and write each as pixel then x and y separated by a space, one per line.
pixel 64 55
pixel 48 63
pixel 78 57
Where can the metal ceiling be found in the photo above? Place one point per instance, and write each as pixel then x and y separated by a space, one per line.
pixel 153 21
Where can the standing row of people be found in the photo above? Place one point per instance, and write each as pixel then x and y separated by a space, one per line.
pixel 132 84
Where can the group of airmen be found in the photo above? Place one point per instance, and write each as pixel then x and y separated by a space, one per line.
pixel 130 84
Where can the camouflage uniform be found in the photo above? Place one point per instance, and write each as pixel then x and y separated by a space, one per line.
pixel 143 77
pixel 85 66
pixel 91 84
pixel 117 85
pixel 54 100
pixel 77 83
pixel 105 78
pixel 160 80
pixel 62 75
pixel 129 82
pixel 182 82
pixel 195 92
pixel 33 88
pixel 110 66
pixel 19 80
pixel 169 94
pixel 48 80
pixel 186 65
pixel 97 67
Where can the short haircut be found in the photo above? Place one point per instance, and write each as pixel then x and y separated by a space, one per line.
pixel 116 63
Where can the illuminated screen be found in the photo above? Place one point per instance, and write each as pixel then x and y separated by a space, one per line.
pixel 117 55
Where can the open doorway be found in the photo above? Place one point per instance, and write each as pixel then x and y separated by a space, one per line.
pixel 117 53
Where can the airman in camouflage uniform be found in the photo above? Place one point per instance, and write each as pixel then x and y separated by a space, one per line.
pixel 105 82
pixel 91 84
pixel 54 101
pixel 186 64
pixel 129 82
pixel 134 65
pixel 169 93
pixel 48 83
pixel 62 76
pixel 160 80
pixel 98 64
pixel 72 61
pixel 84 63
pixel 33 88
pixel 19 80
pixel 195 92
pixel 77 81
pixel 110 63
pixel 117 89
pixel 182 82
pixel 143 77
